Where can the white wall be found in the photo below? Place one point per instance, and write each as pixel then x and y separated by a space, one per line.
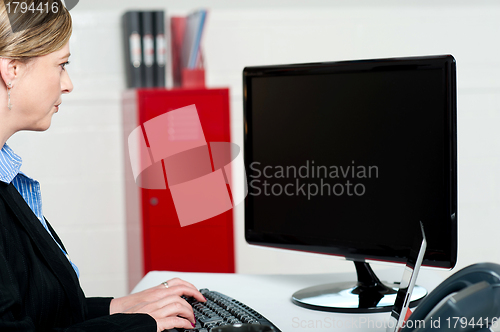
pixel 79 160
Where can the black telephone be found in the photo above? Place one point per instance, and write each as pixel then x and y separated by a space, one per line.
pixel 469 300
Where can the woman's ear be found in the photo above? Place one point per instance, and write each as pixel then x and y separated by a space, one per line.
pixel 8 70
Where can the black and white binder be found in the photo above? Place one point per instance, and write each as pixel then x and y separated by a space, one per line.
pixel 160 60
pixel 133 48
pixel 147 49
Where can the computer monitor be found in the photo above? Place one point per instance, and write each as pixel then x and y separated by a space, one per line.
pixel 346 158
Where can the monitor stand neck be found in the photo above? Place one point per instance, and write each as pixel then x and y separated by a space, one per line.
pixel 367 295
pixel 370 289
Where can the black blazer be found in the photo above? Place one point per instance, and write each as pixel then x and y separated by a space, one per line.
pixel 39 290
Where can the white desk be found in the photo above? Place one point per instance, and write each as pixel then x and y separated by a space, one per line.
pixel 270 296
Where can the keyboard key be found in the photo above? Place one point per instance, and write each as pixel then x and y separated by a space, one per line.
pixel 210 319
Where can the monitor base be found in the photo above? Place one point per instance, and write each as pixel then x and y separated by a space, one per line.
pixel 368 295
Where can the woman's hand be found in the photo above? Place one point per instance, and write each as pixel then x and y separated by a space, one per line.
pixel 169 312
pixel 164 304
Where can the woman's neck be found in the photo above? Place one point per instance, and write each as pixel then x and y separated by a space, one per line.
pixel 5 131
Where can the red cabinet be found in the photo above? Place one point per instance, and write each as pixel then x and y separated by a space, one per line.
pixel 155 239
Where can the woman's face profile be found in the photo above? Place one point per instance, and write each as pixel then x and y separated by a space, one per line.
pixel 38 92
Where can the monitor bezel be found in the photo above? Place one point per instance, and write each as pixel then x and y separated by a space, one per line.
pixel 360 251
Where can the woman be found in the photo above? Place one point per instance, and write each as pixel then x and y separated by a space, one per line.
pixel 39 287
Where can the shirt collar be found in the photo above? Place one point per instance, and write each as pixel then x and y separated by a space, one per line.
pixel 10 164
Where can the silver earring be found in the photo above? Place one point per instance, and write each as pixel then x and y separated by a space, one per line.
pixel 9 86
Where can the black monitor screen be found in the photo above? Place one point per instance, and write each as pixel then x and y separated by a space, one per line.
pixel 345 158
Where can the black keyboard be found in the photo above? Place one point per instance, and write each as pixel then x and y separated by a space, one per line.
pixel 220 310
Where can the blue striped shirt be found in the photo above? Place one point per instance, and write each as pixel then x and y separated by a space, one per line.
pixel 10 165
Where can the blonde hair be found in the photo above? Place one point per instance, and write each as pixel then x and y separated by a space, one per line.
pixel 31 34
